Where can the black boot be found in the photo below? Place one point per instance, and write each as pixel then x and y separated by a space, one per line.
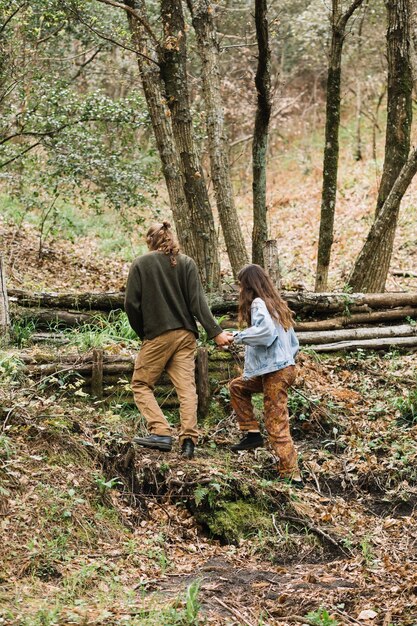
pixel 249 442
pixel 187 448
pixel 158 442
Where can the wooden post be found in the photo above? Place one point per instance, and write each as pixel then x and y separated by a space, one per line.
pixel 271 259
pixel 203 386
pixel 4 306
pixel 97 374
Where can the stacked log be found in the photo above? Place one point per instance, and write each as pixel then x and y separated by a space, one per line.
pixel 301 302
pixel 322 319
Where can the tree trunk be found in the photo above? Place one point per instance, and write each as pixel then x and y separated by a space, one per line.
pixel 372 265
pixel 271 259
pixel 188 236
pixel 330 161
pixel 260 135
pixel 173 61
pixel 399 96
pixel 161 125
pixel 413 25
pixel 4 306
pixel 208 48
pixel 331 145
pixel 371 268
pixel 358 150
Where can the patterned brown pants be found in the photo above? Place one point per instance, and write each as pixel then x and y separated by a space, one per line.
pixel 275 389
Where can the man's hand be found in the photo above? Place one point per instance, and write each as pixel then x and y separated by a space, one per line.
pixel 224 339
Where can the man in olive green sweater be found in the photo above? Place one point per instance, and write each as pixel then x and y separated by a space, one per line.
pixel 164 297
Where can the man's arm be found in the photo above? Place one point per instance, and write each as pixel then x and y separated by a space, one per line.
pixel 201 310
pixel 133 301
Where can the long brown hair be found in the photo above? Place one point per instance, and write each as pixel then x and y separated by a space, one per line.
pixel 255 283
pixel 161 238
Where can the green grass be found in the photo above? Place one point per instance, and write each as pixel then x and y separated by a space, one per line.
pixel 102 332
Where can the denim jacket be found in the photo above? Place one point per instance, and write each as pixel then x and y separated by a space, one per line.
pixel 269 347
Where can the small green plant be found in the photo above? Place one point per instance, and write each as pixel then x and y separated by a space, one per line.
pixel 22 331
pixel 347 301
pixel 6 447
pixel 106 485
pixel 210 492
pixel 367 551
pixel 10 367
pixel 192 605
pixel 321 617
pixel 299 406
pixel 203 339
pixel 407 407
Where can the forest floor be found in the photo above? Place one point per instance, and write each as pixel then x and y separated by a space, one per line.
pixel 94 531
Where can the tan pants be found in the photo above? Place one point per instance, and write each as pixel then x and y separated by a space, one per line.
pixel 275 389
pixel 174 352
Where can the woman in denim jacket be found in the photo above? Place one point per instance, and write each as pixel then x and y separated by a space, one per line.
pixel 271 346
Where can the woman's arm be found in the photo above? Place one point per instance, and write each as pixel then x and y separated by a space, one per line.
pixel 262 332
pixel 295 344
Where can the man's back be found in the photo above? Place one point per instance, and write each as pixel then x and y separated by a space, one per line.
pixel 162 297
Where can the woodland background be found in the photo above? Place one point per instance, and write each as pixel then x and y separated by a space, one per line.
pixel 96 532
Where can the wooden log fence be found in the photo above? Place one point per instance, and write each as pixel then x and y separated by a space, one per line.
pixel 102 373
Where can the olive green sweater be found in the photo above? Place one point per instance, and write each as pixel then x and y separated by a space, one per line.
pixel 160 297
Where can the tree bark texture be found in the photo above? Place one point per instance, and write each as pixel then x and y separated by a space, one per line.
pixel 413 25
pixel 208 49
pixel 329 336
pixel 271 259
pixel 260 135
pixel 372 265
pixel 399 95
pixel 358 148
pixel 162 128
pixel 331 144
pixel 4 305
pixel 173 62
pixel 349 321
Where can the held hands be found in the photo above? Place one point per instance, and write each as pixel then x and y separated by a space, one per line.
pixel 224 339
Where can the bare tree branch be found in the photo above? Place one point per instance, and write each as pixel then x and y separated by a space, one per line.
pixel 11 16
pixel 87 62
pixel 72 58
pixel 135 14
pixel 114 41
pixel 18 156
pixel 346 16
